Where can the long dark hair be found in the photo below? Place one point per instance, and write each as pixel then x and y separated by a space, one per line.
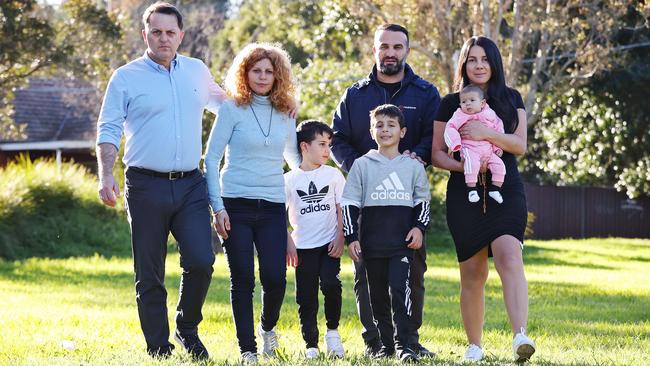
pixel 500 97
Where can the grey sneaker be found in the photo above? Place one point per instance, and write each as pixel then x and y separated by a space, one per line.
pixel 522 347
pixel 249 358
pixel 269 341
pixel 474 353
pixel 333 342
pixel 312 353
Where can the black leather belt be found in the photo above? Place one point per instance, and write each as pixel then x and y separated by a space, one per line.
pixel 168 175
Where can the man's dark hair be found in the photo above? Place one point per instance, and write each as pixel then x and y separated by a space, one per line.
pixel 308 130
pixel 472 88
pixel 162 8
pixel 394 28
pixel 388 110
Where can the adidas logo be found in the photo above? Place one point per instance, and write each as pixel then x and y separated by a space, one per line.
pixel 405 260
pixel 313 197
pixel 391 188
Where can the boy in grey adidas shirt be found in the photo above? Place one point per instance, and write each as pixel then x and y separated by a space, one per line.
pixel 390 192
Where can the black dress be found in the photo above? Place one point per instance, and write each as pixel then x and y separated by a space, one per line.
pixel 471 228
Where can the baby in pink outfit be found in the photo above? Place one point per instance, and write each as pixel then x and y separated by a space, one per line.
pixel 474 107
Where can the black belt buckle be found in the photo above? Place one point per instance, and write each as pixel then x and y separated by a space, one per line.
pixel 175 175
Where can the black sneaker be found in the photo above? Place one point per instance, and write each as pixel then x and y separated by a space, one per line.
pixel 192 345
pixel 384 352
pixel 421 351
pixel 407 355
pixel 373 348
pixel 161 352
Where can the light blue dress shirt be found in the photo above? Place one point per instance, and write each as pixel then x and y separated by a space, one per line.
pixel 160 112
pixel 252 169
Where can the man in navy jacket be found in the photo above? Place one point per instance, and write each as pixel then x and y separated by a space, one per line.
pixel 391 81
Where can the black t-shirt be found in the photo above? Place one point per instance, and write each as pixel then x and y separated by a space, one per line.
pixel 451 102
pixel 391 88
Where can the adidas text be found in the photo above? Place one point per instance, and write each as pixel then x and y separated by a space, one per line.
pixel 315 208
pixel 392 194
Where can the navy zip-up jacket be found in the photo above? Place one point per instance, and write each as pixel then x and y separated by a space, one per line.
pixel 417 98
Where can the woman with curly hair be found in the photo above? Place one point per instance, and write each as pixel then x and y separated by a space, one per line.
pixel 257 134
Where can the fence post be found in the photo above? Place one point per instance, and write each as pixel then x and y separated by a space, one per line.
pixel 582 212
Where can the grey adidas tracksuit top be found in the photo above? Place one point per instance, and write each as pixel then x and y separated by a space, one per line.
pixel 392 196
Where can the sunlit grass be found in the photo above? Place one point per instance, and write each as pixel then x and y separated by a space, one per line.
pixel 590 305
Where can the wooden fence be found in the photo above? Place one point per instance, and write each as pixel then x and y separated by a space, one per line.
pixel 583 212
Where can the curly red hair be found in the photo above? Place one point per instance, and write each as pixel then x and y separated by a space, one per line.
pixel 283 90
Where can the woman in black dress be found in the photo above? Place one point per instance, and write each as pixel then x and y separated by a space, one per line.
pixel 487 228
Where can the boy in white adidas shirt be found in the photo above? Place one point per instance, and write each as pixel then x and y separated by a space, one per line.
pixel 390 192
pixel 313 194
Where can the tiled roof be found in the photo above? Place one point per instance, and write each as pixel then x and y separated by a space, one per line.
pixel 57 109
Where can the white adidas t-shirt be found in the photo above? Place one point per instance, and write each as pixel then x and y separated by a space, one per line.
pixel 311 201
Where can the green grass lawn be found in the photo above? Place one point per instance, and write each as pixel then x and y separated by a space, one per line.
pixel 589 305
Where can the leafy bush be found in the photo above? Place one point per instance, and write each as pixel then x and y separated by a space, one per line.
pixel 50 211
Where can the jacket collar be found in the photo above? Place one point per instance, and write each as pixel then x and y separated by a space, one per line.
pixel 409 77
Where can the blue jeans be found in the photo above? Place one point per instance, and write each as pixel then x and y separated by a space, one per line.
pixel 261 225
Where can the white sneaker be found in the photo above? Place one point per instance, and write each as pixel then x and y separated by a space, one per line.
pixel 333 342
pixel 473 196
pixel 312 353
pixel 473 353
pixel 269 341
pixel 496 195
pixel 249 358
pixel 522 347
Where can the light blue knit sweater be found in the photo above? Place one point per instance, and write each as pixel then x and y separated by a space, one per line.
pixel 251 168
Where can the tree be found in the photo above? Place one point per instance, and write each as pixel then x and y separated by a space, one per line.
pixel 545 44
pixel 322 38
pixel 26 46
pixel 599 134
pixel 38 40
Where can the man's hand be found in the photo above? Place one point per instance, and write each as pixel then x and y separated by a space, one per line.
pixel 335 248
pixel 221 222
pixel 354 249
pixel 293 112
pixel 292 253
pixel 415 238
pixel 415 156
pixel 108 189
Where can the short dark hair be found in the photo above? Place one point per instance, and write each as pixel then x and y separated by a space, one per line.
pixel 388 110
pixel 162 8
pixel 472 88
pixel 394 28
pixel 308 130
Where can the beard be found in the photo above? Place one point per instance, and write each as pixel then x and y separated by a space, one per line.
pixel 392 69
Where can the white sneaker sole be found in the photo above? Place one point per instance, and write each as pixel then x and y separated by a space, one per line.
pixel 524 352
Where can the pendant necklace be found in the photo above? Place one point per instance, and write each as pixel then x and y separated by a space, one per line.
pixel 267 139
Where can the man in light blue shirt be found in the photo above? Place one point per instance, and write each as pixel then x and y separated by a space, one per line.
pixel 157 102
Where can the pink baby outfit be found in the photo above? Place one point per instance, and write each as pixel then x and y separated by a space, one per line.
pixel 473 150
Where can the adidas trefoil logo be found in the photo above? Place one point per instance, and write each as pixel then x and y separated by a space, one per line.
pixel 391 188
pixel 313 198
